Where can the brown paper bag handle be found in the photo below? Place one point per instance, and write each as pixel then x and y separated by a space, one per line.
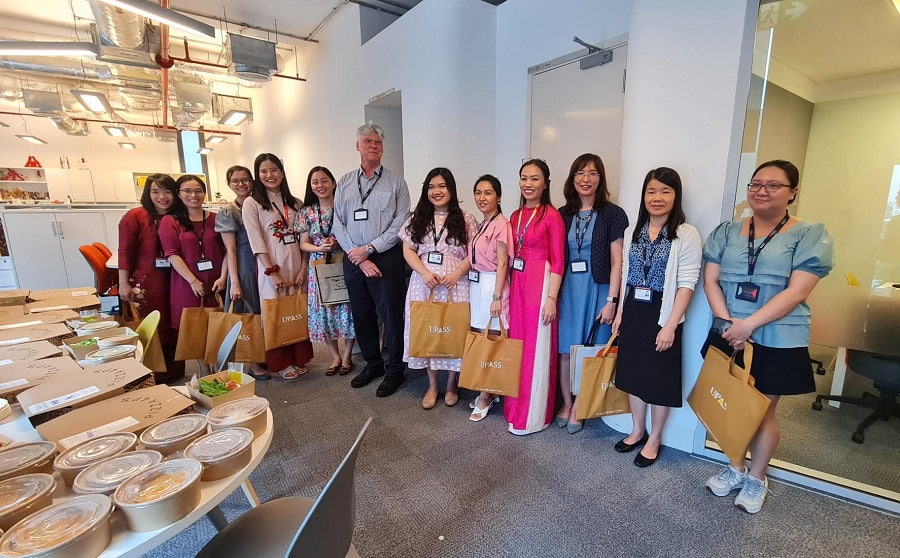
pixel 743 373
pixel 608 346
pixel 134 312
pixel 503 333
pixel 449 295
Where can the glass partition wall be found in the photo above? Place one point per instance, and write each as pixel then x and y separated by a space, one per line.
pixel 825 94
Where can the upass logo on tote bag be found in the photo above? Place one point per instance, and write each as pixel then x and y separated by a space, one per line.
pixel 598 395
pixel 491 363
pixel 438 329
pixel 284 320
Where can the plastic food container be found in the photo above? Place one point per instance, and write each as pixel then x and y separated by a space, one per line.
pixel 23 495
pixel 76 528
pixel 249 412
pixel 124 339
pixel 222 453
pixel 110 354
pixel 26 457
pixel 106 476
pixel 160 495
pixel 174 434
pixel 93 327
pixel 72 461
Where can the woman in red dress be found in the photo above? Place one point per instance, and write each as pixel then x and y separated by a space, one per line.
pixel 143 269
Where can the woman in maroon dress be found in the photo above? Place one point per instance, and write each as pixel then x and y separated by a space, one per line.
pixel 195 250
pixel 143 269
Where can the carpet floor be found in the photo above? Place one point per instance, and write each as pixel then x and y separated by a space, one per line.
pixel 434 484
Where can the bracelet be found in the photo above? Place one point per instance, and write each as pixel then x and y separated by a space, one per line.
pixel 195 281
pixel 271 270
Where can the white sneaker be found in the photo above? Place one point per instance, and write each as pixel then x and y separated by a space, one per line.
pixel 726 480
pixel 752 495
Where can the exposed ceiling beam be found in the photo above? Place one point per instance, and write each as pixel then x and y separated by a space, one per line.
pixel 247 25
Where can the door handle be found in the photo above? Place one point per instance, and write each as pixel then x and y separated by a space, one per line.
pixel 59 225
pixel 53 228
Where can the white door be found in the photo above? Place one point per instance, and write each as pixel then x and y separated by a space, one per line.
pixel 33 241
pixel 76 228
pixel 575 111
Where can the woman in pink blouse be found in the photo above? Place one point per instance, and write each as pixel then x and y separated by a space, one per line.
pixel 536 276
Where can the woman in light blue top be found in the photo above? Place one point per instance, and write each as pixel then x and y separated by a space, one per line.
pixel 758 275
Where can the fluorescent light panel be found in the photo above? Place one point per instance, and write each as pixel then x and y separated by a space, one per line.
pixel 127 145
pixel 234 117
pixel 204 151
pixel 31 139
pixel 219 139
pixel 92 101
pixel 115 131
pixel 162 15
pixel 47 48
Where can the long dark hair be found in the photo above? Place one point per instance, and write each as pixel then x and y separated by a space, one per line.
pixel 790 170
pixel 422 221
pixel 181 212
pixel 165 182
pixel 573 202
pixel 676 217
pixel 545 195
pixel 310 197
pixel 259 191
pixel 495 184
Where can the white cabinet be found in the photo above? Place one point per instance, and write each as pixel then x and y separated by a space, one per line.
pixel 70 184
pixel 44 246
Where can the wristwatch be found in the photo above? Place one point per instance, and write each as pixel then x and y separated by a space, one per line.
pixel 613 299
pixel 370 249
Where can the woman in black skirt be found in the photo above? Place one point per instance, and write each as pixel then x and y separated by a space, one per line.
pixel 660 270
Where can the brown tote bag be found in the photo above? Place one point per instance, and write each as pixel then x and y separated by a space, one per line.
pixel 438 329
pixel 250 346
pixel 284 320
pixel 192 331
pixel 491 363
pixel 598 395
pixel 153 354
pixel 726 402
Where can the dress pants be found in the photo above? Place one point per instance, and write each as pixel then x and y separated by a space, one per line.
pixel 379 298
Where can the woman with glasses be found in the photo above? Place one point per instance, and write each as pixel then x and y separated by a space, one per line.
pixel 660 270
pixel 194 249
pixel 594 229
pixel 269 215
pixel 758 274
pixel 143 269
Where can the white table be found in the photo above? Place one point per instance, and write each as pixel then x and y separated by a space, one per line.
pixel 127 543
pixel 113 261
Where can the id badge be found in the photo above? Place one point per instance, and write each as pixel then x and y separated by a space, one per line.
pixel 204 265
pixel 288 238
pixel 435 258
pixel 160 263
pixel 643 294
pixel 518 264
pixel 474 276
pixel 747 291
pixel 361 214
pixel 578 266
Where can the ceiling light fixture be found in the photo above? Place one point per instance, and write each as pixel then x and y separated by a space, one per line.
pixel 115 131
pixel 31 139
pixel 234 117
pixel 219 139
pixel 127 145
pixel 162 15
pixel 92 101
pixel 47 48
pixel 204 151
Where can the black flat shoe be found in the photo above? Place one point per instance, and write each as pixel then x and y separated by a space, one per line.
pixel 389 385
pixel 623 447
pixel 642 461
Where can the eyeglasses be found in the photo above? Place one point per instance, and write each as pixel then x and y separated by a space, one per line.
pixel 239 181
pixel 771 187
pixel 192 192
pixel 582 174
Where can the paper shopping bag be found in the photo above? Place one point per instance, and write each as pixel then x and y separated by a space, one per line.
pixel 577 354
pixel 330 280
pixel 250 346
pixel 726 402
pixel 285 321
pixel 491 363
pixel 598 395
pixel 192 331
pixel 438 329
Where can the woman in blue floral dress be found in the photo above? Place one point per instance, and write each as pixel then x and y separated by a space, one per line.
pixel 327 324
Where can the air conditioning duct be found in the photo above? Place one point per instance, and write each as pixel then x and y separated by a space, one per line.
pixel 193 97
pixel 83 71
pixel 118 27
pixel 69 126
pixel 43 102
pixel 251 59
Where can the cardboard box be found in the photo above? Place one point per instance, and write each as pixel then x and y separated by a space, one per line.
pixel 13 311
pixel 247 389
pixel 130 412
pixel 17 376
pixel 43 332
pixel 95 383
pixel 25 320
pixel 35 350
pixel 13 297
pixel 47 294
pixel 80 353
pixel 69 302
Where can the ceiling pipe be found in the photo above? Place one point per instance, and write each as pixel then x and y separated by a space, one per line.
pixel 102 73
pixel 165 62
pixel 247 25
pixel 188 60
pixel 153 126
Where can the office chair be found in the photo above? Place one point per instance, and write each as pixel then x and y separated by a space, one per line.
pixel 296 527
pixel 227 348
pixel 103 249
pixel 884 371
pixel 106 279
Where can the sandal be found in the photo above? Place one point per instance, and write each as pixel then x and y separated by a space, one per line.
pixel 332 370
pixel 344 370
pixel 478 413
pixel 259 374
pixel 289 373
pixel 301 370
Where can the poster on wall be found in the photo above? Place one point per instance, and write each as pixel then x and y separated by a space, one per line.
pixel 140 178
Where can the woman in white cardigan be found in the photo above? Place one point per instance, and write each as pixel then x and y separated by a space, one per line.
pixel 659 272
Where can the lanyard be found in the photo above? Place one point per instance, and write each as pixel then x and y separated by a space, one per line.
pixel 371 187
pixel 481 230
pixel 201 235
pixel 440 233
pixel 753 256
pixel 284 213
pixel 326 231
pixel 159 250
pixel 655 246
pixel 581 233
pixel 520 234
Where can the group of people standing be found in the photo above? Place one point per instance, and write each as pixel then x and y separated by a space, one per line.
pixel 551 277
